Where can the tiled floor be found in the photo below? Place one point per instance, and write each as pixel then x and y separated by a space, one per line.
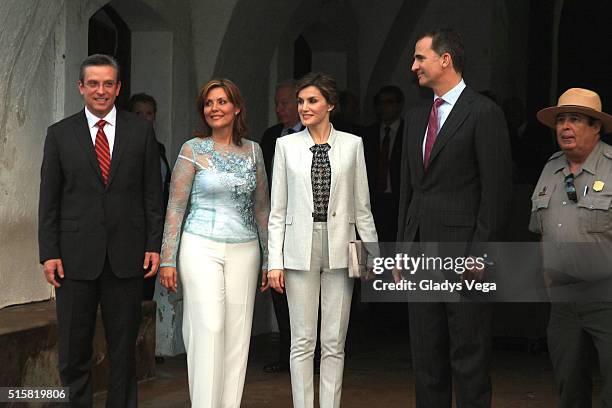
pixel 376 375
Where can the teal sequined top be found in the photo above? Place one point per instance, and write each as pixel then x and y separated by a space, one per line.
pixel 227 191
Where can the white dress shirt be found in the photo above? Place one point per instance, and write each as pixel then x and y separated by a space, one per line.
pixel 394 128
pixel 296 128
pixel 450 99
pixel 109 128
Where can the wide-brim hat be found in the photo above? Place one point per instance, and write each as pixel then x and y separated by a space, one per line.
pixel 577 100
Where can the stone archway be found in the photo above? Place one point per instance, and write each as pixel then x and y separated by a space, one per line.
pixel 332 32
pixel 151 60
pixel 109 34
pixel 485 43
pixel 390 54
pixel 259 33
pixel 245 53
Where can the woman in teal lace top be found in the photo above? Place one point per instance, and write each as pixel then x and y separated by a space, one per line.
pixel 223 244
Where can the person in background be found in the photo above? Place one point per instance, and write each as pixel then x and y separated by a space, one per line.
pixel 383 145
pixel 288 123
pixel 145 106
pixel 169 314
pixel 221 176
pixel 347 114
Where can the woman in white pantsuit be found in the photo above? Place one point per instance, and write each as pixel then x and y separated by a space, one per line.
pixel 222 177
pixel 319 196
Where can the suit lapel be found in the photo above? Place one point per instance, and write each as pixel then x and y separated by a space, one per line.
pixel 396 153
pixel 335 158
pixel 121 134
pixel 417 135
pixel 83 137
pixel 306 163
pixel 456 117
pixel 395 164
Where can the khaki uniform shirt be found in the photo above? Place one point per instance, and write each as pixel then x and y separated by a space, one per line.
pixel 583 224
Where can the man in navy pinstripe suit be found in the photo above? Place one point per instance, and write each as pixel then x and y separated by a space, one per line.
pixel 456 182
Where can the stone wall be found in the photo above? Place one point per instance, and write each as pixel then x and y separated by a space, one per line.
pixel 27 106
pixel 28 340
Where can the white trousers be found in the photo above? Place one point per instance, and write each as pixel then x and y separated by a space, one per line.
pixel 303 289
pixel 219 282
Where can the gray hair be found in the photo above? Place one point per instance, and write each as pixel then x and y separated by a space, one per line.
pixel 287 83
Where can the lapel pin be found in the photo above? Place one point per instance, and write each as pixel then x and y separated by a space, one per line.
pixel 598 185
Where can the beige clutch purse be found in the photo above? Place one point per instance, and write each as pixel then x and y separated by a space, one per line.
pixel 357 260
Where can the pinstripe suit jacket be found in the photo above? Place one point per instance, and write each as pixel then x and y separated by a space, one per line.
pixel 464 194
pixel 291 222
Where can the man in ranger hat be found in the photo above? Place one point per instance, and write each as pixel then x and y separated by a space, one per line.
pixel 572 204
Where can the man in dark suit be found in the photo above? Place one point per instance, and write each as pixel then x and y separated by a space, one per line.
pixel 289 122
pixel 383 154
pixel 456 184
pixel 100 227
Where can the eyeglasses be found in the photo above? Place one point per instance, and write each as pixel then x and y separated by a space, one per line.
pixel 95 84
pixel 570 188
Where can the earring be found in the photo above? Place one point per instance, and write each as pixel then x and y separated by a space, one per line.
pixel 236 113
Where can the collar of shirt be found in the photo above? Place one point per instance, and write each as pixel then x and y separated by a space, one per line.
pixel 589 165
pixel 394 127
pixel 450 99
pixel 296 128
pixel 109 128
pixel 110 118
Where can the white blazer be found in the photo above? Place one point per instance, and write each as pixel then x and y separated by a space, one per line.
pixel 290 225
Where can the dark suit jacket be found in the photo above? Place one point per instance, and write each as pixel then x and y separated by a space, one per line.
pixel 80 219
pixel 371 144
pixel 166 181
pixel 268 144
pixel 465 193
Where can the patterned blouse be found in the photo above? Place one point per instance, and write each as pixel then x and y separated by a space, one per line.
pixel 320 175
pixel 222 191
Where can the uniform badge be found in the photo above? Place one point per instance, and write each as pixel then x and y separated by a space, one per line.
pixel 598 185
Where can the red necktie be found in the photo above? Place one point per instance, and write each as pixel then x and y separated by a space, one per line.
pixel 432 130
pixel 103 151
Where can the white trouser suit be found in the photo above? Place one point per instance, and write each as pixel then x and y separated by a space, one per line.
pixel 303 289
pixel 315 255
